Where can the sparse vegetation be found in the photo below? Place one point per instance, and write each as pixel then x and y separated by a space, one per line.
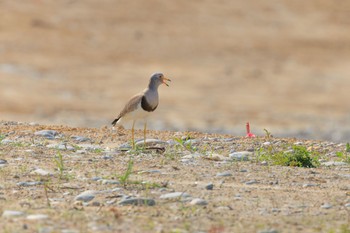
pixel 123 179
pixel 59 164
pixel 297 156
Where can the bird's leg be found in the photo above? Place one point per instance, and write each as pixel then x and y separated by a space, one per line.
pixel 133 135
pixel 144 134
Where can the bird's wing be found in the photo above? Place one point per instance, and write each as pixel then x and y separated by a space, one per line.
pixel 130 106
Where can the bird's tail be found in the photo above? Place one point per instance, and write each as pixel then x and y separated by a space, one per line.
pixel 115 121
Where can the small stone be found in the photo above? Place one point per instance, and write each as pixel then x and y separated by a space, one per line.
pixel 223 174
pixel 30 183
pixel 12 213
pixel 150 141
pixel 268 231
pixel 243 170
pixel 334 163
pixel 347 205
pixel 138 201
pixel 266 143
pixel 41 172
pixel 174 195
pixel 251 182
pixel 37 217
pixel 6 141
pixel 309 185
pixel 80 138
pixel 3 161
pixel 209 186
pixel 86 196
pixel 103 181
pixel 326 206
pixel 298 143
pixel 198 201
pixel 49 134
pixel 264 163
pixel 240 156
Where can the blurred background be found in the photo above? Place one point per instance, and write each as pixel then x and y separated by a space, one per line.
pixel 283 66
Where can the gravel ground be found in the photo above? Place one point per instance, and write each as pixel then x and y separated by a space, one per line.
pixel 62 179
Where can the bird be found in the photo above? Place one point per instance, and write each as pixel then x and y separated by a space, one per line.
pixel 142 104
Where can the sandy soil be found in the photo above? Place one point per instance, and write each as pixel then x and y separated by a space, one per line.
pixel 281 65
pixel 257 197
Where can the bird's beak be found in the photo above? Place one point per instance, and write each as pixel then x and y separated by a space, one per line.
pixel 166 79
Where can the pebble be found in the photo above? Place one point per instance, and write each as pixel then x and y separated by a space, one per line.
pixel 138 201
pixel 3 161
pixel 86 196
pixel 49 134
pixel 333 163
pixel 41 172
pixel 6 141
pixel 326 206
pixel 251 182
pixel 309 185
pixel 209 186
pixel 223 174
pixel 174 195
pixel 268 231
pixel 12 213
pixel 30 183
pixel 81 138
pixel 150 141
pixel 103 181
pixel 37 217
pixel 198 201
pixel 347 205
pixel 266 143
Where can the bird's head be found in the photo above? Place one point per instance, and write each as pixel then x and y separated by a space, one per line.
pixel 158 79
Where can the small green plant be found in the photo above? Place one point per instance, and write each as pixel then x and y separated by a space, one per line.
pixel 343 156
pixel 59 164
pixel 186 144
pixel 124 179
pixel 2 137
pixel 347 149
pixel 298 156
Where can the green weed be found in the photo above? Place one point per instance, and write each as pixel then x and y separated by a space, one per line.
pixel 59 164
pixel 298 156
pixel 124 179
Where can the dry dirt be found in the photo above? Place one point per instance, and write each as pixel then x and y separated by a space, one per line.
pixel 282 65
pixel 257 197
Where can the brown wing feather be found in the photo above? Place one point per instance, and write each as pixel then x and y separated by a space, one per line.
pixel 129 107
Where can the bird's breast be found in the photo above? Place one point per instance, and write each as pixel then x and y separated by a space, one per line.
pixel 148 105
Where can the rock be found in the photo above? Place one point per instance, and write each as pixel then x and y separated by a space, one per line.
pixel 6 141
pixel 81 138
pixel 86 196
pixel 103 181
pixel 12 213
pixel 30 183
pixel 266 143
pixel 326 206
pixel 138 201
pixel 192 156
pixel 251 182
pixel 37 217
pixel 333 163
pixel 49 134
pixel 198 201
pixel 150 141
pixel 223 174
pixel 209 186
pixel 3 161
pixel 174 195
pixel 268 231
pixel 41 172
pixel 240 156
pixel 309 185
pixel 347 205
